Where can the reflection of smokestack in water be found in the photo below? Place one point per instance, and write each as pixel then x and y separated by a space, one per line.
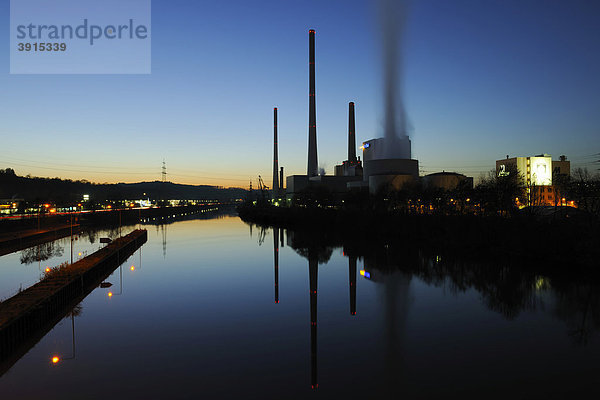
pixel 276 261
pixel 163 230
pixel 275 158
pixel 313 269
pixel 352 277
pixel 312 169
pixel 351 136
pixel 393 15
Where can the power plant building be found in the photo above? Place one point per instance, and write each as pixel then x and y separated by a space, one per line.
pixel 538 173
pixel 352 166
pixel 447 181
pixel 386 161
pixel 380 169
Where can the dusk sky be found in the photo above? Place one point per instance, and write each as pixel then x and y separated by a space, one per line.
pixel 482 79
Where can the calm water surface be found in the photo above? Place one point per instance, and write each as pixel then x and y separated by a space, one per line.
pixel 24 268
pixel 217 309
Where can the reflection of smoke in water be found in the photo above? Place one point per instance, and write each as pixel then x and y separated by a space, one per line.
pixel 393 17
pixel 396 293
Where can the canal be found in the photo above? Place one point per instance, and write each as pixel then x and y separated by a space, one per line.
pixel 217 308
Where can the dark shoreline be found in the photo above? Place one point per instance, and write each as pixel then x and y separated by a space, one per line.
pixel 556 244
pixel 20 234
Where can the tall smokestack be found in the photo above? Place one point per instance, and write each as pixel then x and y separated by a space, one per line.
pixel 351 136
pixel 275 160
pixel 312 169
pixel 281 180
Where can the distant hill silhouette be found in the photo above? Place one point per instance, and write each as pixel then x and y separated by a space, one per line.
pixel 58 190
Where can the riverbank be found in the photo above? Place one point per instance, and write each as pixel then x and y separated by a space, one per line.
pixel 19 234
pixel 555 243
pixel 22 239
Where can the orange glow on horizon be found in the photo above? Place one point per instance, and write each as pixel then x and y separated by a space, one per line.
pixel 226 176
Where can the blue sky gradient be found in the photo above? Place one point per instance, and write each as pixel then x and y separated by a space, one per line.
pixel 482 79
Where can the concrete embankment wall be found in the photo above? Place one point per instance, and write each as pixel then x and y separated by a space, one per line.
pixel 25 239
pixel 25 314
pixel 18 234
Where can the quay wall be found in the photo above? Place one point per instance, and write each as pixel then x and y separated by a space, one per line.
pixel 25 314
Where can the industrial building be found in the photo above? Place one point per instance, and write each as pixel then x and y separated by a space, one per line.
pixel 380 166
pixel 387 162
pixel 352 166
pixel 447 181
pixel 351 169
pixel 10 206
pixel 539 173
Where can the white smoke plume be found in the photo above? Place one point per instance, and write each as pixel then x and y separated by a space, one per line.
pixel 392 15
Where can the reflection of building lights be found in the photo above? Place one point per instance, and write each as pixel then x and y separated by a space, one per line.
pixel 541 283
pixel 55 359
